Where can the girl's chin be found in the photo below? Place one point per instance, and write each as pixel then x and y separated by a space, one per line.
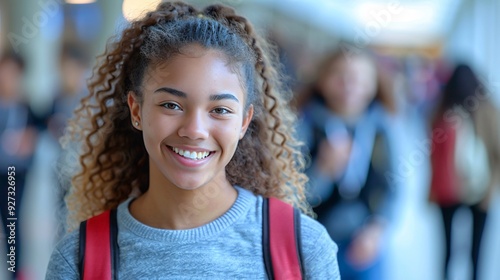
pixel 188 188
pixel 188 185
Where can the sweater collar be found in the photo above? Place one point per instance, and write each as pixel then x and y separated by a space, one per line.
pixel 235 213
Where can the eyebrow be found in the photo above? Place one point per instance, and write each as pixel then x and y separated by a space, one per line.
pixel 171 91
pixel 216 97
pixel 213 97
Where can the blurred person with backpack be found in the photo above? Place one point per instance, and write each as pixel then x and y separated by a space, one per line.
pixel 348 125
pixel 465 156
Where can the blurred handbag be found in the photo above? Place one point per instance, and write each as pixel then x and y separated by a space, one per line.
pixel 471 162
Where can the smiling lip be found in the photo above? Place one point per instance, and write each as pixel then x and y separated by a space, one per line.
pixel 190 162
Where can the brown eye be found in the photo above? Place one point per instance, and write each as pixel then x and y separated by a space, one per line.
pixel 171 106
pixel 221 111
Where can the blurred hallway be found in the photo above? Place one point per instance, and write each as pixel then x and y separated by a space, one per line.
pixel 466 30
pixel 415 245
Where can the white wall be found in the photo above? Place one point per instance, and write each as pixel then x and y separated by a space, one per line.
pixel 475 39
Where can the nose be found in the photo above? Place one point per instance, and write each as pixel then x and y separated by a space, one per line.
pixel 194 126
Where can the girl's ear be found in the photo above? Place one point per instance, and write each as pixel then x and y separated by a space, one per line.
pixel 135 109
pixel 246 121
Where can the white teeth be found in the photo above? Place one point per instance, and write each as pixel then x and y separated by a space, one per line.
pixel 191 155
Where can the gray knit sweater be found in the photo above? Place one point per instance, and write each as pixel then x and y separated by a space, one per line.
pixel 227 248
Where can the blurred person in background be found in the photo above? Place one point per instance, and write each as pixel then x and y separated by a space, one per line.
pixel 348 128
pixel 465 156
pixel 18 134
pixel 424 84
pixel 74 69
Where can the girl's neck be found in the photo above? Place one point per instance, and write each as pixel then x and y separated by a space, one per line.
pixel 170 207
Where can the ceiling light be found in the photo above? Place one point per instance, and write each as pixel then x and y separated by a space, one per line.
pixel 134 9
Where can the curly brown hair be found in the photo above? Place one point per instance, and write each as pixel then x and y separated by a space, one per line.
pixel 113 162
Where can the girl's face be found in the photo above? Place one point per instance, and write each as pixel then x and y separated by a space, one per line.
pixel 349 85
pixel 192 117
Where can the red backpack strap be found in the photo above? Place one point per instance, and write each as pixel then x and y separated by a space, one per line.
pixel 98 256
pixel 281 240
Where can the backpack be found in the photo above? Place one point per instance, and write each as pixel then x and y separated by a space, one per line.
pixel 281 243
pixel 471 162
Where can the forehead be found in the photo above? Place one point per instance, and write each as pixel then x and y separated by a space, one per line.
pixel 352 60
pixel 194 68
pixel 359 65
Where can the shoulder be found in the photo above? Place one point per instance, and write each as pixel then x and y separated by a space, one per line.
pixel 63 262
pixel 313 232
pixel 319 251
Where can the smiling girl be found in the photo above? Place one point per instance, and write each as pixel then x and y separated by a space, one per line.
pixel 185 132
